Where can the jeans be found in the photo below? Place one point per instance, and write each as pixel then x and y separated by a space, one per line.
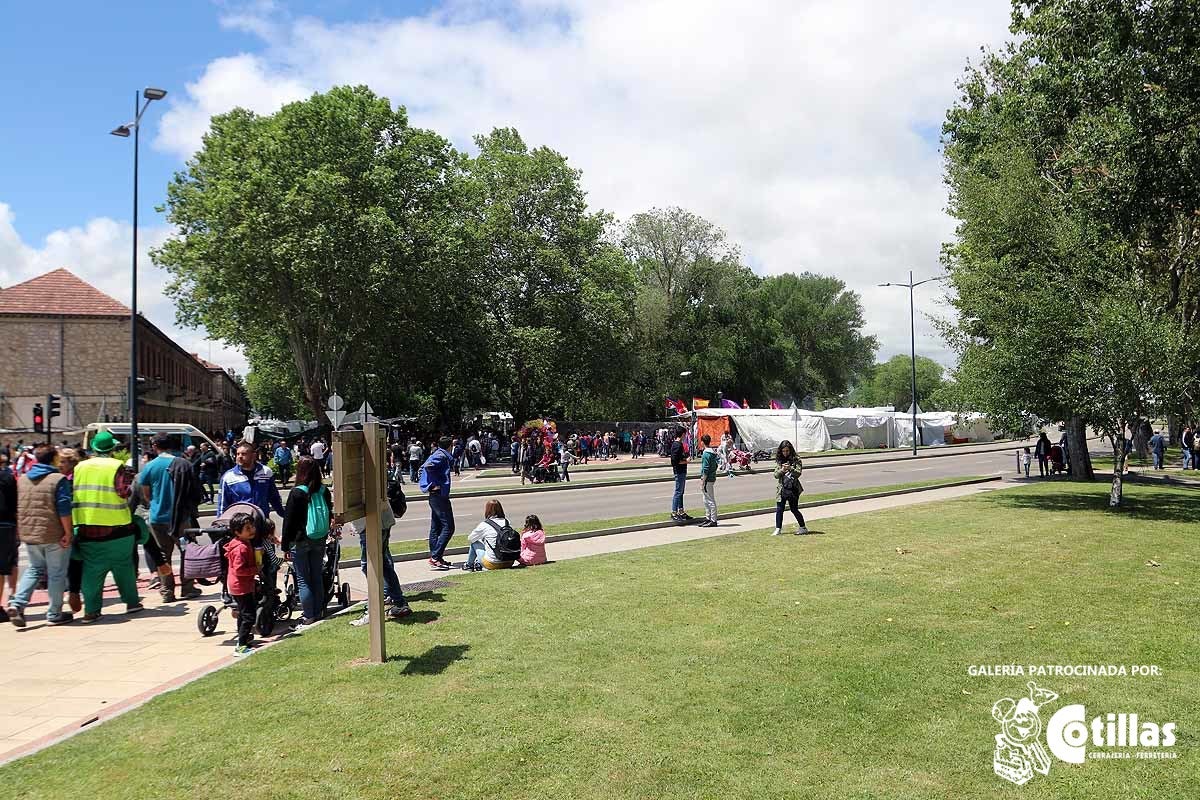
pixel 792 502
pixel 246 609
pixel 441 525
pixel 1187 458
pixel 566 475
pixel 308 557
pixel 708 488
pixel 413 469
pixel 1158 459
pixel 677 499
pixel 49 560
pixel 391 584
pixel 475 554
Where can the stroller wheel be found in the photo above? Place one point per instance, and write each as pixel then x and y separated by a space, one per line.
pixel 344 595
pixel 265 623
pixel 206 623
pixel 283 609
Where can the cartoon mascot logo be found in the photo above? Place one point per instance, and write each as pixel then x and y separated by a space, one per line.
pixel 1019 750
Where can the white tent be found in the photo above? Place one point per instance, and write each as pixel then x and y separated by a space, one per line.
pixel 874 427
pixel 765 428
pixel 933 428
pixel 973 427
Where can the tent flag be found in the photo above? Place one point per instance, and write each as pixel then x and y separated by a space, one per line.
pixel 745 403
pixel 676 406
pixel 727 403
pixel 699 402
pixel 775 406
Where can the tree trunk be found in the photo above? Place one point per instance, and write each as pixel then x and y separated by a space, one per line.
pixel 1141 438
pixel 1077 450
pixel 1115 495
pixel 1174 430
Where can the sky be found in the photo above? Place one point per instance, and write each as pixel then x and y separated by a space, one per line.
pixel 807 130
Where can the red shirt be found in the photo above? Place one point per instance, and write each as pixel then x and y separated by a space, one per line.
pixel 243 566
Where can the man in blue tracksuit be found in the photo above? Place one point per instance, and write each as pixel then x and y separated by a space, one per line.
pixel 435 481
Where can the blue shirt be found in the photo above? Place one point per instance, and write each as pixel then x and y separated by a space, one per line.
pixel 436 472
pixel 283 455
pixel 258 490
pixel 162 488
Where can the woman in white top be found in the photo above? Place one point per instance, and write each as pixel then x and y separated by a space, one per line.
pixel 482 540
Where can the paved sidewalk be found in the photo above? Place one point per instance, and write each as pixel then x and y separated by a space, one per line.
pixel 56 680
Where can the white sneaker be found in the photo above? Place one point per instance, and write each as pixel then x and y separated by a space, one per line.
pixel 777 532
pixel 363 620
pixel 801 531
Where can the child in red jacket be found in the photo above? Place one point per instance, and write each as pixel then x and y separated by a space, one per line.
pixel 243 569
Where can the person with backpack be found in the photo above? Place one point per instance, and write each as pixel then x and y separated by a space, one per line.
pixel 395 606
pixel 708 481
pixel 788 489
pixel 493 543
pixel 307 519
pixel 679 466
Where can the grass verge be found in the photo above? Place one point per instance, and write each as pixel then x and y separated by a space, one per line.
pixel 835 668
pixel 419 545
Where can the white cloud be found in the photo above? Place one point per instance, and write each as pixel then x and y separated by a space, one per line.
pixel 99 253
pixel 793 124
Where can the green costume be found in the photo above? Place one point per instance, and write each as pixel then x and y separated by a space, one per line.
pixel 105 533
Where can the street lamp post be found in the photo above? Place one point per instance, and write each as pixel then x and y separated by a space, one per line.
pixel 150 95
pixel 686 374
pixel 912 330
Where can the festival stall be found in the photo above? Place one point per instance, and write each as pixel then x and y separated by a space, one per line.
pixel 764 429
pixel 860 427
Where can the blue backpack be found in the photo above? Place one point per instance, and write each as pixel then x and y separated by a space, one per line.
pixel 317 526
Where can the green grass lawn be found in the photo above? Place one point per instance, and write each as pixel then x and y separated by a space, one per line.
pixel 351 550
pixel 835 668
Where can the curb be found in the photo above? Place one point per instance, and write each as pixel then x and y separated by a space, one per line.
pixel 647 526
pixel 934 451
pixel 562 487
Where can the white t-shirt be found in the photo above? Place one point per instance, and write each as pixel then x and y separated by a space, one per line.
pixel 317 450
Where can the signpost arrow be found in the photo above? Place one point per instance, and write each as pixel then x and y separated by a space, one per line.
pixel 335 417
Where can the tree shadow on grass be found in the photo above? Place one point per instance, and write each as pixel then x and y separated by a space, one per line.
pixel 433 661
pixel 1146 504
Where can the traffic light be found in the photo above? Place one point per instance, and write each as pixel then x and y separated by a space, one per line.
pixel 53 406
pixel 39 422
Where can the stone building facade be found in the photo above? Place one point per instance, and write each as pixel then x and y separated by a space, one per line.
pixel 60 335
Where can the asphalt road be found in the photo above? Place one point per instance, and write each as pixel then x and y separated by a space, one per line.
pixel 630 500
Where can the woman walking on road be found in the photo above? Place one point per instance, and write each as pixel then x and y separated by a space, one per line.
pixel 788 468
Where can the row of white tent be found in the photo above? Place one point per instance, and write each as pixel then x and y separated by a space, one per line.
pixel 843 428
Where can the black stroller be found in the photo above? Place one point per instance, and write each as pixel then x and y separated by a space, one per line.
pixel 330 578
pixel 207 563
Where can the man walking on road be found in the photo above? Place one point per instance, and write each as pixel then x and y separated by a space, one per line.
pixel 708 482
pixel 435 481
pixel 172 492
pixel 679 465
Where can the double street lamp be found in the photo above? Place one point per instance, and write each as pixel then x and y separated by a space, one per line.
pixel 150 95
pixel 912 321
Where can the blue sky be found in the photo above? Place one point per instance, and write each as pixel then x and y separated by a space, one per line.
pixel 806 129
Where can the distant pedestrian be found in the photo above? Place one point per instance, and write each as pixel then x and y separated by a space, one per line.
pixel 434 480
pixel 1187 441
pixel 679 466
pixel 1025 461
pixel 708 482
pixel 415 457
pixel 1158 446
pixel 788 468
pixel 1042 451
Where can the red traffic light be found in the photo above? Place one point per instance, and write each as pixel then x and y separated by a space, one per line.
pixel 39 422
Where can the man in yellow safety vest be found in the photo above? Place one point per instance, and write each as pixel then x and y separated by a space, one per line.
pixel 104 530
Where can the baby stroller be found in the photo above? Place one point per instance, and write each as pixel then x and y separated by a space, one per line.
pixel 740 459
pixel 330 578
pixel 208 562
pixel 1058 463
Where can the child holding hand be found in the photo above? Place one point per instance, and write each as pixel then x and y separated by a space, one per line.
pixel 243 567
pixel 533 542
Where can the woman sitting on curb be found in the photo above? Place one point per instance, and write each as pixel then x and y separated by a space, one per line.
pixel 492 541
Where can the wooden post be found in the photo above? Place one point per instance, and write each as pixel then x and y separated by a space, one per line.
pixel 374 472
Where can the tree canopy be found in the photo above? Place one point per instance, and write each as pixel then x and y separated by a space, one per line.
pixel 345 250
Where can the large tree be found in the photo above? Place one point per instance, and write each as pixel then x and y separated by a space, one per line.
pixel 1073 158
pixel 890 384
pixel 310 227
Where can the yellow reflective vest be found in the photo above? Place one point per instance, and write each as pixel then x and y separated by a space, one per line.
pixel 96 498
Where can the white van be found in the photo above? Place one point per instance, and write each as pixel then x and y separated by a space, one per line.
pixel 188 434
